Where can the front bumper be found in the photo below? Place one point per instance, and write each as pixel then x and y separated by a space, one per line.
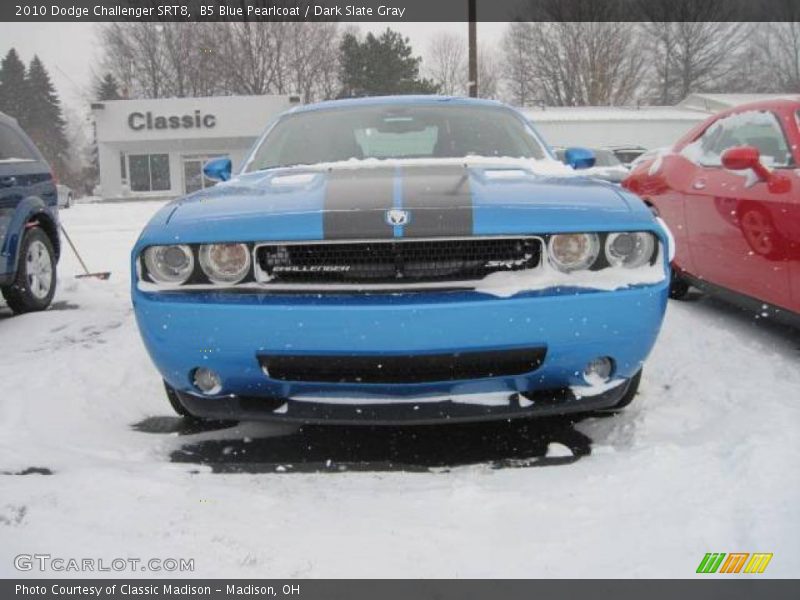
pixel 232 333
pixel 408 412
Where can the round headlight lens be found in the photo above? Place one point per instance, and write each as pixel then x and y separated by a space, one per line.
pixel 225 263
pixel 573 251
pixel 629 249
pixel 169 264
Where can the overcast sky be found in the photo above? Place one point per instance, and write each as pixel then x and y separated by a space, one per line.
pixel 69 50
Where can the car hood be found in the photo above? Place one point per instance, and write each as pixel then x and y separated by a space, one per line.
pixel 376 199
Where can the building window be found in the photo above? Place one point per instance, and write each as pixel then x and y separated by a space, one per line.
pixel 149 172
pixel 123 168
pixel 193 178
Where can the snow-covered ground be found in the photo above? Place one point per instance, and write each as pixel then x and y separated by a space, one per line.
pixel 706 460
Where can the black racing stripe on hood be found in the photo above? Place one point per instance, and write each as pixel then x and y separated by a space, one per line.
pixel 356 202
pixel 439 201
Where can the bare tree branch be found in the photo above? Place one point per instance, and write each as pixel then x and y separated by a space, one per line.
pixel 156 60
pixel 446 63
pixel 573 63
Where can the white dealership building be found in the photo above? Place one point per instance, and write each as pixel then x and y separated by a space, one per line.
pixel 157 148
pixel 648 127
pixel 613 126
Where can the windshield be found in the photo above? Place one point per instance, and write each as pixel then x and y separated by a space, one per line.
pixel 394 132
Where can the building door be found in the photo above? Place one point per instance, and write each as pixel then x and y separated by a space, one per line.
pixel 193 178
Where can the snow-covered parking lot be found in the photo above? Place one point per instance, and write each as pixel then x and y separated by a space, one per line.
pixel 94 464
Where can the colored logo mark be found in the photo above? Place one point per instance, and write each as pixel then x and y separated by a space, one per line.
pixel 735 562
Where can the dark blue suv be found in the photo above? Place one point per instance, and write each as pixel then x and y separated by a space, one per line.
pixel 29 241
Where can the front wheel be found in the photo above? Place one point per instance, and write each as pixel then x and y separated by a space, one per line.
pixel 35 284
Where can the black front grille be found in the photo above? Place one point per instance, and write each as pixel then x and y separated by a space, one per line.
pixel 416 368
pixel 408 261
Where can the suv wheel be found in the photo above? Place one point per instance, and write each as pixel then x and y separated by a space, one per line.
pixel 35 284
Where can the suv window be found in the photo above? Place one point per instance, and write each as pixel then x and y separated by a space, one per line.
pixel 760 129
pixel 13 147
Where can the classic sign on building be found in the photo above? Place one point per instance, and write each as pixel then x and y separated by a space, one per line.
pixel 157 148
pixel 138 121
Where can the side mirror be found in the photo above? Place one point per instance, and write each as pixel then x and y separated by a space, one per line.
pixel 218 169
pixel 579 158
pixel 741 158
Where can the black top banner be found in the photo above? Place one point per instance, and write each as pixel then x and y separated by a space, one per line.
pixel 399 10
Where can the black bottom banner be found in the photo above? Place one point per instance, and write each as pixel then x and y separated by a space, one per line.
pixel 388 589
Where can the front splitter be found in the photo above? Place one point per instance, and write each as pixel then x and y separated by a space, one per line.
pixel 540 403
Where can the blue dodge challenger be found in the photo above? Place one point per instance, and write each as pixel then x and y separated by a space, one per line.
pixel 401 260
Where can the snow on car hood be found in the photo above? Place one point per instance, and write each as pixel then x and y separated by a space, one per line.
pixel 442 185
pixel 350 200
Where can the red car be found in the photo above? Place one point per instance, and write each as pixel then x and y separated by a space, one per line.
pixel 730 192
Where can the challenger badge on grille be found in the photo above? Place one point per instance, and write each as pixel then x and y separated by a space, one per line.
pixel 311 268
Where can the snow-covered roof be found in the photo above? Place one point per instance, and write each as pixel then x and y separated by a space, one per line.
pixel 611 113
pixel 718 102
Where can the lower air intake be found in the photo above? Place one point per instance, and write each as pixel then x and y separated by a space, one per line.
pixel 402 368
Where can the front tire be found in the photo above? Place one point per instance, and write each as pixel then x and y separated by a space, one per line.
pixel 678 287
pixel 189 418
pixel 175 403
pixel 630 394
pixel 35 283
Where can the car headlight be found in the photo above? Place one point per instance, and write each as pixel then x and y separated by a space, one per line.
pixel 169 264
pixel 629 249
pixel 225 263
pixel 573 251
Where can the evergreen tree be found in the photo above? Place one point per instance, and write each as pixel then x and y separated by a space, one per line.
pixel 45 122
pixel 13 95
pixel 380 65
pixel 107 89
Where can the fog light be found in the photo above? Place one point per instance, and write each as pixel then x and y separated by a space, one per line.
pixel 598 370
pixel 207 381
